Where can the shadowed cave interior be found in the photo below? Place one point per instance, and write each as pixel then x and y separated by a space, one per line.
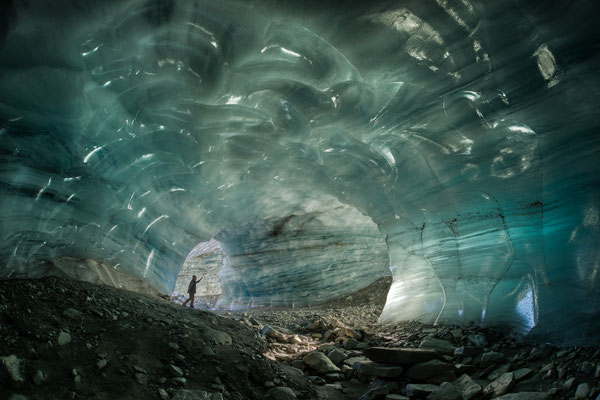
pixel 451 146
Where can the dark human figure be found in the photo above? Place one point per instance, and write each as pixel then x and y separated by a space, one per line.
pixel 192 291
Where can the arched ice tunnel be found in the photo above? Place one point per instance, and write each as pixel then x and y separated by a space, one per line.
pixel 451 144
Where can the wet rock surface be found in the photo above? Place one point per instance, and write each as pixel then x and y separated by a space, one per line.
pixel 64 339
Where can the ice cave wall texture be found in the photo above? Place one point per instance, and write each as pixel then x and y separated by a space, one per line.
pixel 453 144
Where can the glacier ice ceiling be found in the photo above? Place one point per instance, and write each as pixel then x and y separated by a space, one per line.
pixel 452 144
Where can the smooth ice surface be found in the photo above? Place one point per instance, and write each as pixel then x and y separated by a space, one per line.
pixel 453 144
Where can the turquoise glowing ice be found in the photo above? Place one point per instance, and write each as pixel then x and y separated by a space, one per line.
pixel 452 145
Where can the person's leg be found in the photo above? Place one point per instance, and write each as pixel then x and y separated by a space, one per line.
pixel 185 302
pixel 192 300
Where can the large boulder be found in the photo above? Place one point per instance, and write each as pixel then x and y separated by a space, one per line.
pixel 402 356
pixel 428 369
pixel 320 363
pixel 501 385
pixel 377 369
pixel 467 387
pixel 439 345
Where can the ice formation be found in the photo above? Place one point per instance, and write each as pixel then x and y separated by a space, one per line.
pixel 453 144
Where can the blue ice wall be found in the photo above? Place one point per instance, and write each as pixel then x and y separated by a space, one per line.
pixel 453 144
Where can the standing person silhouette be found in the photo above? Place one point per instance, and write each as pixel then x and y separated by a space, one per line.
pixel 192 291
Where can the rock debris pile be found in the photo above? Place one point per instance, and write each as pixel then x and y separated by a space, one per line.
pixel 348 355
pixel 64 339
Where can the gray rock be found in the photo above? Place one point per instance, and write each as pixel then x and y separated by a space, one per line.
pixel 497 373
pixel 439 345
pixel 347 371
pixel 139 369
pixel 175 370
pixel 396 397
pixel 208 351
pixel 456 333
pixel 522 373
pixel 335 386
pixel 326 348
pixel 351 343
pixel 162 393
pixel 478 340
pixel 332 377
pixel 587 367
pixel 179 380
pixel 501 385
pixel 467 387
pixel 490 358
pixel 420 389
pixel 402 356
pixel 11 365
pixel 337 356
pixel 293 374
pixel 72 313
pixel 273 333
pixel 569 383
pixel 317 380
pixel 526 396
pixel 376 369
pixel 446 391
pixel 294 339
pixel 562 353
pixel 547 367
pixel 428 369
pixel 174 345
pixel 351 360
pixel 17 396
pixel 215 336
pixel 533 384
pixel 39 378
pixel 320 363
pixel 101 364
pixel 63 338
pixel 142 379
pixel 282 393
pixel 583 389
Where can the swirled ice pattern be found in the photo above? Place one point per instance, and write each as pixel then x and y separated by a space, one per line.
pixel 453 144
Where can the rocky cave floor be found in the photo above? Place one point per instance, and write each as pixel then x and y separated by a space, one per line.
pixel 66 339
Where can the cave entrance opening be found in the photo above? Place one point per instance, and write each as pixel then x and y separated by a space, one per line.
pixel 205 261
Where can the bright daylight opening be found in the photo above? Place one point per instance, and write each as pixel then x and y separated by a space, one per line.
pixel 204 261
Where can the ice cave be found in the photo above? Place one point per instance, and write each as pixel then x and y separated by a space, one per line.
pixel 451 144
